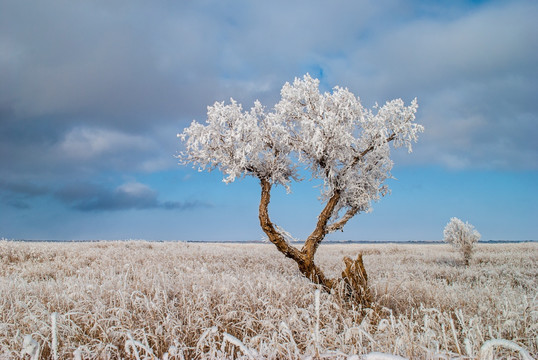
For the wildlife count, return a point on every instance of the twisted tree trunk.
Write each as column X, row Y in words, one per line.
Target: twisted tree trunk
column 354, row 276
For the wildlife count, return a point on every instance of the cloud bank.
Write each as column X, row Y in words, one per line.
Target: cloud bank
column 93, row 88
column 92, row 197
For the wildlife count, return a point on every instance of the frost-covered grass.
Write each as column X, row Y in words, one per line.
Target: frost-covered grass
column 178, row 300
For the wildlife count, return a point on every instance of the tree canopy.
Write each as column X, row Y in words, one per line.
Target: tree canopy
column 332, row 135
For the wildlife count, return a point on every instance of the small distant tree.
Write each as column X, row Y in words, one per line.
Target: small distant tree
column 331, row 135
column 462, row 236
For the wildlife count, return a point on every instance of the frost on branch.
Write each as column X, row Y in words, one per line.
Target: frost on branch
column 462, row 236
column 240, row 143
column 343, row 145
column 331, row 134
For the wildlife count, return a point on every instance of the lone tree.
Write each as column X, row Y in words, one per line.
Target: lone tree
column 329, row 134
column 462, row 236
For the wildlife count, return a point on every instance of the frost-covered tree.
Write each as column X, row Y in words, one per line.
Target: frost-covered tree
column 331, row 135
column 462, row 236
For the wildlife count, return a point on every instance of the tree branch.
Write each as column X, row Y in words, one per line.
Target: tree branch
column 364, row 153
column 370, row 148
column 338, row 225
column 306, row 265
column 312, row 242
column 267, row 226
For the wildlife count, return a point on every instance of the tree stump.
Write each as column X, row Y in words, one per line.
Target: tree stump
column 356, row 281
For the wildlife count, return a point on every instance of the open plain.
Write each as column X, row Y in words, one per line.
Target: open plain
column 174, row 300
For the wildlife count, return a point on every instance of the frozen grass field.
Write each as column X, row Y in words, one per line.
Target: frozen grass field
column 181, row 300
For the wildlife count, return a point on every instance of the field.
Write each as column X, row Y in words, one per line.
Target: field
column 136, row 299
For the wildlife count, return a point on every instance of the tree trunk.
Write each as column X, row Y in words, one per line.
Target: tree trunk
column 354, row 276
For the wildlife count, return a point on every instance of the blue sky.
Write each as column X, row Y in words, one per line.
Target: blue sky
column 92, row 95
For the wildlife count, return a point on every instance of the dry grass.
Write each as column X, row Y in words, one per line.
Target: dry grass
column 178, row 300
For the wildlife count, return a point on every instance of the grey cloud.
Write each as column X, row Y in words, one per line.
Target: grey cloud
column 475, row 77
column 105, row 86
column 61, row 152
column 91, row 197
column 85, row 196
column 187, row 205
column 23, row 188
column 75, row 75
column 104, row 62
column 109, row 63
column 16, row 203
column 475, row 126
column 98, row 198
column 19, row 194
column 481, row 45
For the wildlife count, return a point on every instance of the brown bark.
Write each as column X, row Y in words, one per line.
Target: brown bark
column 356, row 280
column 267, row 226
column 338, row 225
column 316, row 237
column 354, row 276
